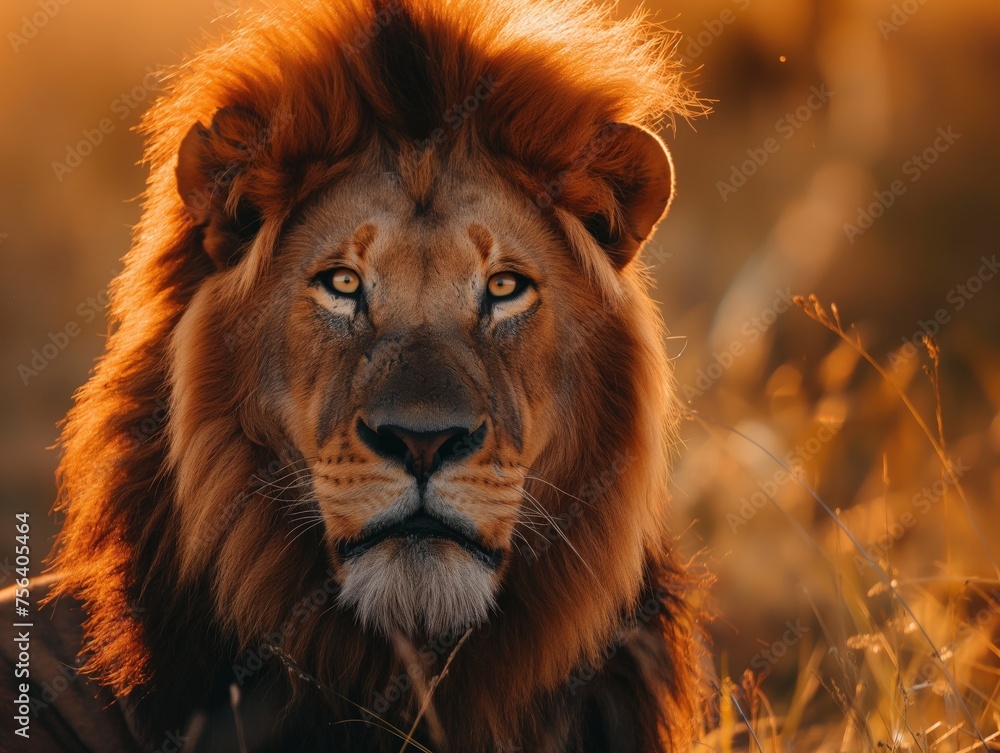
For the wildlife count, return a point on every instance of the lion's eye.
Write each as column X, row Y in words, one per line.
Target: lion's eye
column 505, row 285
column 342, row 281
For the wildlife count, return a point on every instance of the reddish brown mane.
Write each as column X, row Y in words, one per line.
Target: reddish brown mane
column 324, row 88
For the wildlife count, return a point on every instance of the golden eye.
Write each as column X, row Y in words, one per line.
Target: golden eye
column 345, row 281
column 504, row 284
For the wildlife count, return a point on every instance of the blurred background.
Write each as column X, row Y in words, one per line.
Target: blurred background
column 852, row 154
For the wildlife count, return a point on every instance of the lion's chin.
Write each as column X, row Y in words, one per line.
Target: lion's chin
column 424, row 586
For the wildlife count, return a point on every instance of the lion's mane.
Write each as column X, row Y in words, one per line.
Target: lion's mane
column 321, row 81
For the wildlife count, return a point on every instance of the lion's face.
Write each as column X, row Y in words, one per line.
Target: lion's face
column 432, row 356
column 417, row 386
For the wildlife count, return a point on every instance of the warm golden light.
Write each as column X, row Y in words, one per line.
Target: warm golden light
column 838, row 473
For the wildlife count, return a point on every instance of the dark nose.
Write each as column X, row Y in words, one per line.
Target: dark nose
column 421, row 452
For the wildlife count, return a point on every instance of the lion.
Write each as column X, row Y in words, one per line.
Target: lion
column 377, row 453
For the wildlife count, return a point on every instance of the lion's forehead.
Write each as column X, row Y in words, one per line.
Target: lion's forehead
column 419, row 253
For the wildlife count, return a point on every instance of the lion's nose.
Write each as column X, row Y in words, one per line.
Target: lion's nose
column 421, row 452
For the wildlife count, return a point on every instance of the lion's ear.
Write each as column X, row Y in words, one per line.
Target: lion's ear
column 635, row 167
column 211, row 165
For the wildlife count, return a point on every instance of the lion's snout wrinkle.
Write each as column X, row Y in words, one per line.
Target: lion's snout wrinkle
column 426, row 383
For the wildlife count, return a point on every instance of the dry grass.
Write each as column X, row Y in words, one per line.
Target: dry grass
column 868, row 581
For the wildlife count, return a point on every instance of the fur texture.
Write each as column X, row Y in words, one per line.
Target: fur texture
column 214, row 466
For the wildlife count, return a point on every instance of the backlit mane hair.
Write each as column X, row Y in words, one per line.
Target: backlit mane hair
column 323, row 87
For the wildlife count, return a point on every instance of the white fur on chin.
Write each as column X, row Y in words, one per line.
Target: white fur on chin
column 430, row 585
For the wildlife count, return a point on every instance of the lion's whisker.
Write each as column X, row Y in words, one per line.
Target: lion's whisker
column 296, row 474
column 298, row 532
column 300, row 507
column 306, row 522
column 531, row 549
column 535, row 526
column 563, row 536
column 549, row 483
column 298, row 466
column 306, row 517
